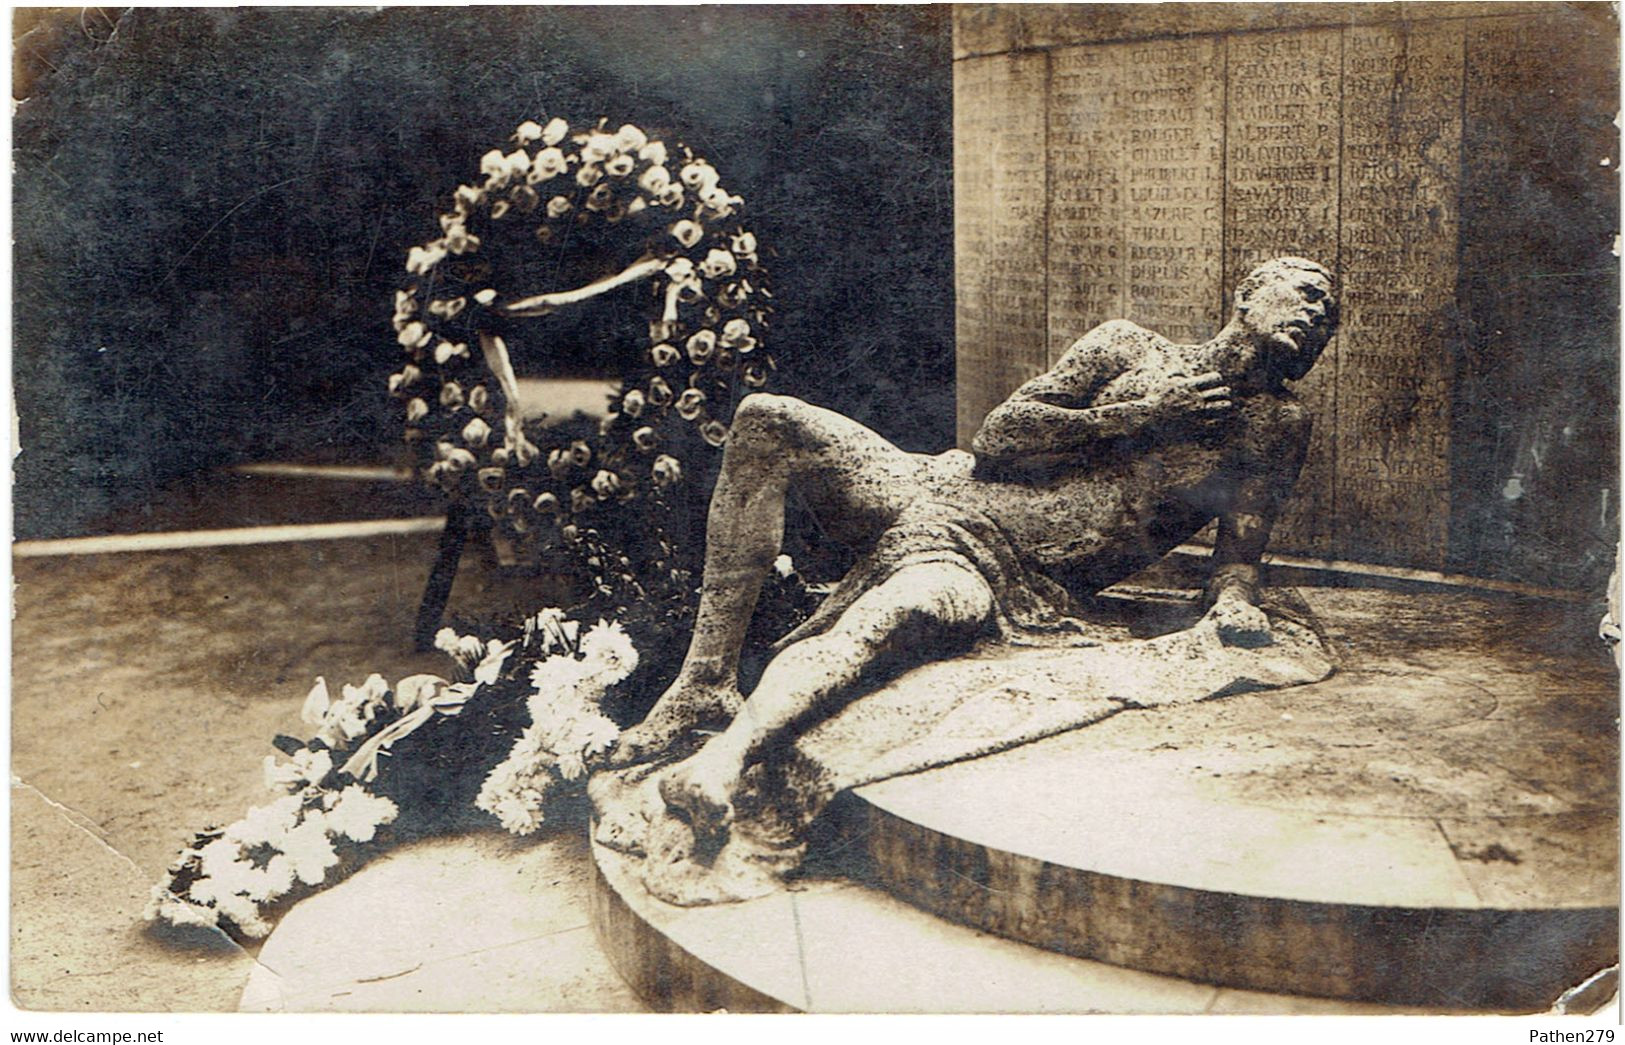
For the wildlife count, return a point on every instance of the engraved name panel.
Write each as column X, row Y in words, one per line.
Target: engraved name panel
column 999, row 189
column 1135, row 153
column 1401, row 173
column 1283, row 126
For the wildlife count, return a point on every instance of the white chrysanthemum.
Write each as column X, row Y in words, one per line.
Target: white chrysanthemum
column 165, row 906
column 271, row 882
column 266, row 824
column 219, row 856
column 245, row 913
column 609, row 652
column 557, row 674
column 309, row 849
column 357, row 814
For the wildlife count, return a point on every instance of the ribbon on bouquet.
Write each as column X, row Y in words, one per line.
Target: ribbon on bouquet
column 447, row 699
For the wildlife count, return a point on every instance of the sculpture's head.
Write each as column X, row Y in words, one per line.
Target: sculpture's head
column 1288, row 308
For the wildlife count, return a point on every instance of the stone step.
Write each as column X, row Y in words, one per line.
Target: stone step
column 835, row 946
column 1428, row 827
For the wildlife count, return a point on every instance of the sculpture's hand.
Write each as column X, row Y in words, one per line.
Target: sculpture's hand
column 1240, row 623
column 1201, row 400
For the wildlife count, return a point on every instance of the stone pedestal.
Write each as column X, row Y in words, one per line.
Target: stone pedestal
column 1435, row 827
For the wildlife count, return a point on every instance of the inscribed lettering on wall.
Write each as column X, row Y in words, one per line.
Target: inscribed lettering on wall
column 1401, row 175
column 1283, row 125
column 1135, row 154
column 999, row 201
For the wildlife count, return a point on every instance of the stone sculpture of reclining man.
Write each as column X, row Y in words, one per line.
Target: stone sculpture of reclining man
column 1085, row 475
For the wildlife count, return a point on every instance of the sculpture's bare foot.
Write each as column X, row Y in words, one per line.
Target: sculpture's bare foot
column 679, row 711
column 701, row 793
column 1241, row 623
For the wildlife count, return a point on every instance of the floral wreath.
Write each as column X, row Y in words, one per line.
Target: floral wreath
column 560, row 192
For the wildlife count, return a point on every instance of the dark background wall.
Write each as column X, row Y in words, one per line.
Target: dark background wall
column 212, row 209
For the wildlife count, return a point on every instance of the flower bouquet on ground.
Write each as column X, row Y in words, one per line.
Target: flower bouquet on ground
column 509, row 738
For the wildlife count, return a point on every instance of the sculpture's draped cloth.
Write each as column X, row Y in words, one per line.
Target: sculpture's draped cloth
column 1045, row 672
column 1029, row 608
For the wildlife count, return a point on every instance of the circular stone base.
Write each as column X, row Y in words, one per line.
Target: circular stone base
column 1437, row 824
column 832, row 945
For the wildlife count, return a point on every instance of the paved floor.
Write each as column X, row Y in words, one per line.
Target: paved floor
column 146, row 689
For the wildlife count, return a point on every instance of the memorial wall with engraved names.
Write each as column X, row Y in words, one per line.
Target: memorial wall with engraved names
column 1455, row 170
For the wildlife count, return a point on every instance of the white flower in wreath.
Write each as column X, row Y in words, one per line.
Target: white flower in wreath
column 699, row 175
column 719, row 202
column 655, row 180
column 467, row 197
column 447, row 309
column 415, row 690
column 700, row 345
column 419, row 260
column 445, row 352
column 606, row 484
column 717, row 263
column 664, row 355
column 659, row 391
column 414, row 335
column 666, row 471
column 555, row 131
column 714, row 432
column 671, row 196
column 461, row 241
column 644, row 438
column 597, row 146
column 687, row 232
column 588, row 175
column 405, row 307
column 494, row 165
column 409, row 376
column 580, row 500
column 654, row 152
column 466, row 650
column 743, row 244
column 549, row 163
column 476, row 433
column 558, row 207
column 736, row 335
column 620, row 166
column 630, row 139
column 528, row 132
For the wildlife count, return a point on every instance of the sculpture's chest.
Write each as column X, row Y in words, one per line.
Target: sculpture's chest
column 1147, row 368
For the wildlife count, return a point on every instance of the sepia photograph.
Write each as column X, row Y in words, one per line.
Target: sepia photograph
column 935, row 509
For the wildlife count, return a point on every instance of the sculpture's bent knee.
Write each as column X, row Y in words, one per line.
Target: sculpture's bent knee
column 766, row 413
